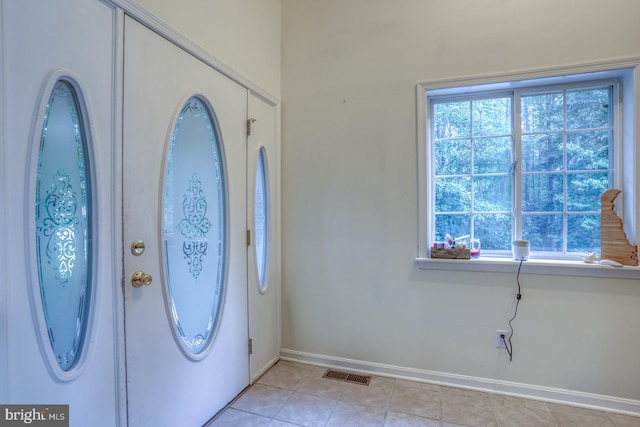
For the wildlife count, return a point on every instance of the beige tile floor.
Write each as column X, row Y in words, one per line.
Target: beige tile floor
column 293, row 394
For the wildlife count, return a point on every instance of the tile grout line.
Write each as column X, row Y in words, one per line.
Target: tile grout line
column 288, row 398
column 546, row 407
column 494, row 410
column 335, row 401
column 441, row 405
column 386, row 410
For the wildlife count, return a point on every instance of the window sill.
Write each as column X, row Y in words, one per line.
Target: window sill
column 532, row 266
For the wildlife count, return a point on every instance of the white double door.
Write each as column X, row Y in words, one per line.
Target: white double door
column 44, row 43
column 133, row 369
column 170, row 383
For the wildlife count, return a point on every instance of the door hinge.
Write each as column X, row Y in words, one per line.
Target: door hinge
column 249, row 121
column 248, row 237
column 250, row 346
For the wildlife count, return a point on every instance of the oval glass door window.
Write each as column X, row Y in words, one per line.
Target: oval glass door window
column 63, row 225
column 195, row 227
column 261, row 218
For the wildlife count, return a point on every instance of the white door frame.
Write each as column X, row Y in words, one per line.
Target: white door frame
column 4, row 279
column 118, row 244
column 264, row 304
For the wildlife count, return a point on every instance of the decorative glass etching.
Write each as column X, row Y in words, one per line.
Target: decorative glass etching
column 195, row 226
column 59, row 226
column 261, row 218
column 63, row 225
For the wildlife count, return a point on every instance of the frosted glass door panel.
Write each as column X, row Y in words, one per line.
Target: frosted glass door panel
column 195, row 227
column 63, row 226
column 261, row 217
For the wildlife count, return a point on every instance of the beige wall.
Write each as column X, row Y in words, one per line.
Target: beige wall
column 243, row 34
column 350, row 286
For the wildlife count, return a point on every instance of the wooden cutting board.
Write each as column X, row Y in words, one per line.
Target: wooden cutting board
column 613, row 240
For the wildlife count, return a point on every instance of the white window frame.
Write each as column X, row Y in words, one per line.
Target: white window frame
column 627, row 71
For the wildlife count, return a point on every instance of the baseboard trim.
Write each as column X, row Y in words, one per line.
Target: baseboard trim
column 546, row 394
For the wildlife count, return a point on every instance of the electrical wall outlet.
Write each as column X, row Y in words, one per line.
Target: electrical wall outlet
column 499, row 340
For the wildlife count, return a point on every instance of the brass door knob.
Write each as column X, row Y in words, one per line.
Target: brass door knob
column 140, row 278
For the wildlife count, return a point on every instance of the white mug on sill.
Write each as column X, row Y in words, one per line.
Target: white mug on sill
column 520, row 250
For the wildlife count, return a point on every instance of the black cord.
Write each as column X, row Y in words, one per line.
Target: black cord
column 509, row 346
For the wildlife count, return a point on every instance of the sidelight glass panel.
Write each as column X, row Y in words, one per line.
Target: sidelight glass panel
column 195, row 226
column 63, row 225
column 261, row 217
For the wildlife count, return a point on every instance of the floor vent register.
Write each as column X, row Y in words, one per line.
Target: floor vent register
column 348, row 377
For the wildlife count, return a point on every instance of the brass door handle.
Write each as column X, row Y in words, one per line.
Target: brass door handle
column 137, row 247
column 140, row 278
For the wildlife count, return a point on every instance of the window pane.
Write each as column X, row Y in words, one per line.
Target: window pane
column 588, row 109
column 542, row 193
column 588, row 150
column 493, row 230
column 455, row 225
column 453, row 194
column 565, row 148
column 542, row 152
column 453, row 157
column 492, row 155
column 584, row 191
column 542, row 113
column 492, row 117
column 544, row 232
column 492, row 193
column 583, row 233
column 452, row 120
